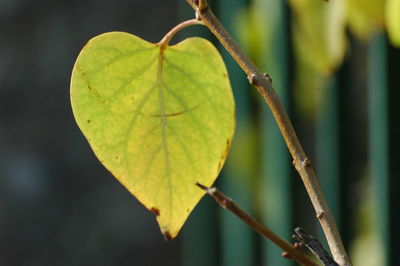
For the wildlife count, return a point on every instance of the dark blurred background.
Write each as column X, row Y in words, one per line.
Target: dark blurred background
column 336, row 73
column 58, row 205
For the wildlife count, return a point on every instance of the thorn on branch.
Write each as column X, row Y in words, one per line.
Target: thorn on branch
column 314, row 246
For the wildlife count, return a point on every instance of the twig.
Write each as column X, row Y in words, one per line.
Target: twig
column 302, row 164
column 314, row 246
column 227, row 203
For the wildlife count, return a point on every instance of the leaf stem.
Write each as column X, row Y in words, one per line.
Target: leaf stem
column 166, row 39
column 263, row 230
column 263, row 84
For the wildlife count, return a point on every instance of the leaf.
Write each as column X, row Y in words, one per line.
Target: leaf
column 365, row 18
column 255, row 41
column 392, row 16
column 159, row 120
column 319, row 35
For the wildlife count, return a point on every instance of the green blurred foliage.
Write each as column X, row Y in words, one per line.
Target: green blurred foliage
column 319, row 34
column 319, row 47
column 367, row 241
column 365, row 19
column 319, row 37
column 393, row 21
column 257, row 40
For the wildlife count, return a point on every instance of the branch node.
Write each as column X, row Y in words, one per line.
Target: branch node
column 320, row 214
column 268, row 77
column 306, row 162
column 252, row 79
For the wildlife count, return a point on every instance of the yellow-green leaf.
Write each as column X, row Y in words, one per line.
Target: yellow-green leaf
column 319, row 33
column 392, row 16
column 319, row 36
column 158, row 119
column 365, row 17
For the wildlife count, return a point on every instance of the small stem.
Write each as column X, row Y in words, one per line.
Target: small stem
column 165, row 40
column 263, row 230
column 300, row 161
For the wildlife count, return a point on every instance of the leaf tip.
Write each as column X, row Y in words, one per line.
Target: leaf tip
column 167, row 235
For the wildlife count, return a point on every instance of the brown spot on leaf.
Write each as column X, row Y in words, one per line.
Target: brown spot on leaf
column 155, row 211
column 224, row 154
column 88, row 121
column 167, row 235
column 116, row 157
column 224, row 75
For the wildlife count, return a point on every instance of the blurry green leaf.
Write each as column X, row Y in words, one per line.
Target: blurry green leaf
column 367, row 248
column 252, row 32
column 319, row 44
column 365, row 18
column 243, row 158
column 393, row 21
column 319, row 33
column 159, row 120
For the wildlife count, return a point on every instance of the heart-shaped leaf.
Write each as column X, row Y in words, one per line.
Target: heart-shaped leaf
column 158, row 118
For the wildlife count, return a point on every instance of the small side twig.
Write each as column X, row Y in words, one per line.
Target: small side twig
column 291, row 252
column 314, row 246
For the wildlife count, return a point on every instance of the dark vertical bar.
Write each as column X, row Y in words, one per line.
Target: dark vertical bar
column 275, row 168
column 200, row 233
column 378, row 141
column 394, row 144
column 236, row 238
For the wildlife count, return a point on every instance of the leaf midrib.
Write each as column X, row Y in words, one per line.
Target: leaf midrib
column 164, row 142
